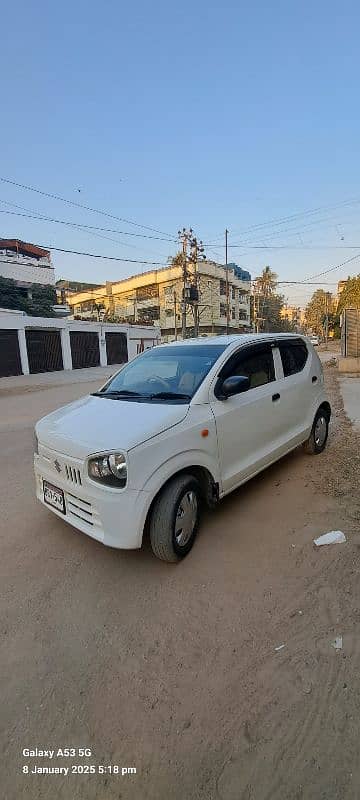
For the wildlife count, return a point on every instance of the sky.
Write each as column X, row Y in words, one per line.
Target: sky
column 235, row 115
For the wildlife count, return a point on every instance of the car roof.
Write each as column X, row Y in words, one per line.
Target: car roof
column 234, row 338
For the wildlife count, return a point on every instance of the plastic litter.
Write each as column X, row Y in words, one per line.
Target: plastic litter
column 333, row 537
column 280, row 647
column 337, row 643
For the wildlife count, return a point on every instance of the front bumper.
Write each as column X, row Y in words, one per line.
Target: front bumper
column 115, row 518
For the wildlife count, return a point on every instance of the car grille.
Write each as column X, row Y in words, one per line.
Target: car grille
column 73, row 474
column 81, row 509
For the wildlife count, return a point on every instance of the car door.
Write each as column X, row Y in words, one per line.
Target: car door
column 249, row 423
column 297, row 387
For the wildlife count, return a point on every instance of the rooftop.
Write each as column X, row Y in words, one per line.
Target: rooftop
column 25, row 248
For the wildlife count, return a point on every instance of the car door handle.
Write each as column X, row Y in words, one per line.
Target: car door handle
column 314, row 379
column 275, row 397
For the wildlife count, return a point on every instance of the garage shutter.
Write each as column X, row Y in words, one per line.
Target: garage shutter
column 44, row 350
column 10, row 363
column 116, row 348
column 84, row 349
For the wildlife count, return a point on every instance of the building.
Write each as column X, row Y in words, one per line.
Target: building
column 64, row 288
column 294, row 315
column 25, row 263
column 340, row 287
column 156, row 298
column 42, row 344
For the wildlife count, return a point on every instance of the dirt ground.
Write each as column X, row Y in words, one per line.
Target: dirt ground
column 174, row 669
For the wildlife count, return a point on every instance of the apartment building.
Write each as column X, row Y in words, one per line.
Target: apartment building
column 294, row 315
column 155, row 298
column 25, row 263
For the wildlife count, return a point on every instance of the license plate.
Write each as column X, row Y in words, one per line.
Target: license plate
column 54, row 497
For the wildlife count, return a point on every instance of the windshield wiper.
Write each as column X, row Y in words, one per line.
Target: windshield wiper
column 169, row 396
column 119, row 393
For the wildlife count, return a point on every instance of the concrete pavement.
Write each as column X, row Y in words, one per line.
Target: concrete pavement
column 46, row 380
column 350, row 391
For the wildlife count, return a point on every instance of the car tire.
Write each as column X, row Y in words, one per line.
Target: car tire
column 316, row 442
column 180, row 499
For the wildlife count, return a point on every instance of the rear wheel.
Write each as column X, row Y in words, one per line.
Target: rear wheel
column 175, row 518
column 319, row 433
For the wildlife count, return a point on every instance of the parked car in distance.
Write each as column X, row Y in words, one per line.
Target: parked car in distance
column 180, row 426
column 314, row 340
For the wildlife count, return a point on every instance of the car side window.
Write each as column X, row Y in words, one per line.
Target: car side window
column 257, row 365
column 293, row 356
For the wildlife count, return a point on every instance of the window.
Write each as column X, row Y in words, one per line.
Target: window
column 180, row 369
column 222, row 287
column 222, row 310
column 258, row 365
column 145, row 292
column 293, row 356
column 233, row 292
column 233, row 313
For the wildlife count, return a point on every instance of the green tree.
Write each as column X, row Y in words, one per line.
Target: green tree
column 177, row 260
column 350, row 295
column 41, row 301
column 266, row 282
column 267, row 304
column 37, row 300
column 320, row 308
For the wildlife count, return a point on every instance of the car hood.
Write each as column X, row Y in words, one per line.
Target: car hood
column 95, row 424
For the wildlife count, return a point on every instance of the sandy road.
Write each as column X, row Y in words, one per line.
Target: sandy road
column 173, row 670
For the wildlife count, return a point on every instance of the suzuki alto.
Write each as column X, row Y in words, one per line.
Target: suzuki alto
column 179, row 427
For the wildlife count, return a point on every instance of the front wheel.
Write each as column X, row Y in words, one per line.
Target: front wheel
column 175, row 518
column 316, row 442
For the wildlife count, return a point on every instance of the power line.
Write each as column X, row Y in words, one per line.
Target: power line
column 331, row 269
column 279, row 220
column 296, row 247
column 79, row 205
column 89, row 255
column 43, row 218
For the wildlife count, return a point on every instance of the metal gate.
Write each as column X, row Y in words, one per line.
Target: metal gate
column 84, row 349
column 10, row 362
column 116, row 348
column 350, row 333
column 44, row 350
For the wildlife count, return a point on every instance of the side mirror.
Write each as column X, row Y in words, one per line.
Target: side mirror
column 234, row 385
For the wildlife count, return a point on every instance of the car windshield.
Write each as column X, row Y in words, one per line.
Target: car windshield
column 164, row 373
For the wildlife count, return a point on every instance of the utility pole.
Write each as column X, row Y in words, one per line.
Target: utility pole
column 227, row 282
column 175, row 316
column 184, row 237
column 190, row 279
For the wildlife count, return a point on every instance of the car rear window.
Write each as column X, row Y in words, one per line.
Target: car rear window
column 293, row 356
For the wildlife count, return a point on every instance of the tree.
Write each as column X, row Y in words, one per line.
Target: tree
column 268, row 304
column 41, row 301
column 266, row 283
column 37, row 300
column 320, row 311
column 176, row 260
column 11, row 296
column 350, row 295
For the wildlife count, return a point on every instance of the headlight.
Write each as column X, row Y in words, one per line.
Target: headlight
column 109, row 469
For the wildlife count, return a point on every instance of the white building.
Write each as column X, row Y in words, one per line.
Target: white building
column 156, row 297
column 25, row 263
column 41, row 344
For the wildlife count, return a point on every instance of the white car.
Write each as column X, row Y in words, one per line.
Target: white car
column 314, row 340
column 181, row 425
